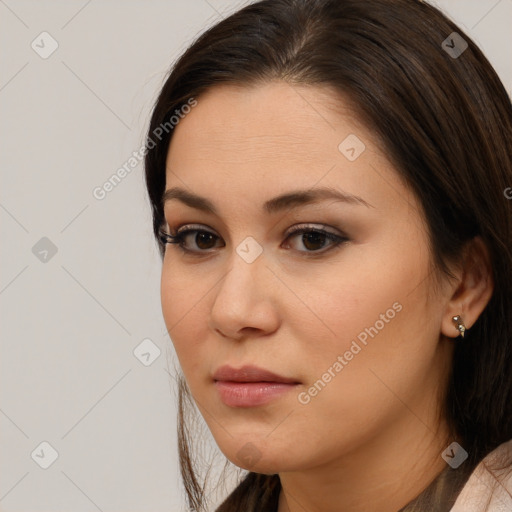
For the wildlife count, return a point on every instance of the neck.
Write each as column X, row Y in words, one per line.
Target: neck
column 372, row 476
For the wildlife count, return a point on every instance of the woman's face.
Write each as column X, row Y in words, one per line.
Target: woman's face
column 348, row 323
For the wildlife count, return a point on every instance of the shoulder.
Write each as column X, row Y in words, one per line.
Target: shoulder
column 489, row 490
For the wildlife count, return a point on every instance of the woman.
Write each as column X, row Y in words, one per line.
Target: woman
column 330, row 188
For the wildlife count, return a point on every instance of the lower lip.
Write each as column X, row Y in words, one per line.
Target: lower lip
column 250, row 394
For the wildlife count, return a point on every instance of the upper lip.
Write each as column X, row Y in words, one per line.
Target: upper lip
column 249, row 373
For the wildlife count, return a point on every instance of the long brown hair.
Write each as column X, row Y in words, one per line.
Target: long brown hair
column 445, row 121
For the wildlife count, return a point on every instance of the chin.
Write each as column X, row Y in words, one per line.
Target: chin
column 252, row 456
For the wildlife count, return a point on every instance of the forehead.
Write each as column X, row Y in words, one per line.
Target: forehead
column 260, row 140
column 266, row 121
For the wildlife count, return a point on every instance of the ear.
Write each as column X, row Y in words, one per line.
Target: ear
column 472, row 290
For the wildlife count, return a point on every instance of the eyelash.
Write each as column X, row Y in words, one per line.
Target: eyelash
column 179, row 239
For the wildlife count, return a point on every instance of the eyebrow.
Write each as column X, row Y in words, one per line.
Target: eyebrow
column 285, row 201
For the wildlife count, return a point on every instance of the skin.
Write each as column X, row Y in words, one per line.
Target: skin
column 372, row 437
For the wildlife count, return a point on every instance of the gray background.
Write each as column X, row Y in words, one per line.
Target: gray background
column 72, row 320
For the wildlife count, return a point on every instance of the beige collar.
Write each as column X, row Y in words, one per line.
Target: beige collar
column 487, row 491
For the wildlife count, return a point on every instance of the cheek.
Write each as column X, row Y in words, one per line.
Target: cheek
column 184, row 310
column 374, row 315
column 357, row 297
column 380, row 336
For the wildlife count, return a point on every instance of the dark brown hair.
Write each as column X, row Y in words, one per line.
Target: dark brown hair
column 445, row 122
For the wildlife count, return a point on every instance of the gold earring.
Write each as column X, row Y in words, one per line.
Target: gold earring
column 459, row 324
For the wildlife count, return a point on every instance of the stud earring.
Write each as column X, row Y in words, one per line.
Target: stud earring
column 459, row 325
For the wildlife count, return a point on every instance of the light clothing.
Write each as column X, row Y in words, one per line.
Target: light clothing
column 484, row 492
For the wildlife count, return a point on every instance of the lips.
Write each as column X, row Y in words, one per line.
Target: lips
column 250, row 386
column 249, row 373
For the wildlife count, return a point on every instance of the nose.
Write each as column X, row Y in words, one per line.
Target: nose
column 245, row 303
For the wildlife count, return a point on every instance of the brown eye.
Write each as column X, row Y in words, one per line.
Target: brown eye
column 204, row 239
column 314, row 240
column 199, row 242
column 196, row 240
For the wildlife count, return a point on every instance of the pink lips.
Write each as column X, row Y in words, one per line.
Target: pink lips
column 250, row 386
